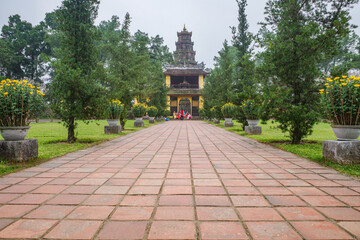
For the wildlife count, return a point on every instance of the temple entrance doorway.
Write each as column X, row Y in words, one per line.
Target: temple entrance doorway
column 185, row 105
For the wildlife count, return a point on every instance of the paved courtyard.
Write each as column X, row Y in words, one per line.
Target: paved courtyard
column 179, row 180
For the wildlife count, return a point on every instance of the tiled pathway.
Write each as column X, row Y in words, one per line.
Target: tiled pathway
column 179, row 180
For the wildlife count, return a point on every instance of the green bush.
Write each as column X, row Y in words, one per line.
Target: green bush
column 115, row 109
column 216, row 112
column 152, row 111
column 228, row 110
column 138, row 110
column 166, row 113
column 20, row 101
column 251, row 109
column 341, row 98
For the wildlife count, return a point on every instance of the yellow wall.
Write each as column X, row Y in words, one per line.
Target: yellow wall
column 201, row 102
column 168, row 103
column 201, row 81
column 168, row 81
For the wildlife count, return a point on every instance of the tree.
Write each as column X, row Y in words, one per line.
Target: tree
column 244, row 69
column 77, row 92
column 218, row 89
column 22, row 47
column 305, row 33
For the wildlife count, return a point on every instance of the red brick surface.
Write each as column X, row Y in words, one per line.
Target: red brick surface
column 179, row 180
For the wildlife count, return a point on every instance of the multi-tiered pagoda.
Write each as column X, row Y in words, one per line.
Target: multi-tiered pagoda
column 185, row 78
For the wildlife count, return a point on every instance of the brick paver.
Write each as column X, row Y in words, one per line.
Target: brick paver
column 179, row 180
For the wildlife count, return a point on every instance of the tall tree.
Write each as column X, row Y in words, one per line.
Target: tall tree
column 218, row 89
column 77, row 91
column 22, row 47
column 244, row 69
column 305, row 34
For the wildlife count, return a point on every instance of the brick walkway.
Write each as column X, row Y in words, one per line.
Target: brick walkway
column 179, row 180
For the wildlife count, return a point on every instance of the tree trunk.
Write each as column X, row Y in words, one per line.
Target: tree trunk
column 297, row 136
column 71, row 131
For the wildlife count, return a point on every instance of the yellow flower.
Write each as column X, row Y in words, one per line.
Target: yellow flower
column 6, row 93
column 344, row 76
column 344, row 84
column 357, row 85
column 326, row 84
column 336, row 78
column 38, row 87
column 31, row 93
column 321, row 90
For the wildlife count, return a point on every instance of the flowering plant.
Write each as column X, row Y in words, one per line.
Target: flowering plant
column 20, row 101
column 138, row 110
column 152, row 111
column 251, row 109
column 228, row 110
column 341, row 97
column 115, row 109
column 216, row 112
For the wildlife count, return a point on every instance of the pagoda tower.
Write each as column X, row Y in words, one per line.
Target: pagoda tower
column 185, row 78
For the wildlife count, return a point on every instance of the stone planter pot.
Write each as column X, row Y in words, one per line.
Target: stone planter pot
column 216, row 121
column 346, row 132
column 112, row 122
column 139, row 122
column 14, row 133
column 228, row 120
column 252, row 122
column 151, row 119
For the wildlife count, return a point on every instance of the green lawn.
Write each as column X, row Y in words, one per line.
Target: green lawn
column 52, row 138
column 311, row 147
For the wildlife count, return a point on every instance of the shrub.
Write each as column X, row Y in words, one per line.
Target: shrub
column 152, row 111
column 138, row 110
column 20, row 101
column 115, row 109
column 166, row 113
column 216, row 112
column 341, row 97
column 228, row 110
column 251, row 109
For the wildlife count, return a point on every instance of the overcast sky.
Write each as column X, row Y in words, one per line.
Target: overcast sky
column 209, row 20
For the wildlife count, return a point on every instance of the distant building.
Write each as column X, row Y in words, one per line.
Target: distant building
column 185, row 78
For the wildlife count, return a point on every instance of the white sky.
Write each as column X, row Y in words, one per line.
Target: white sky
column 209, row 20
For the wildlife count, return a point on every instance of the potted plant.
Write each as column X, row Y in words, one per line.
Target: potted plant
column 20, row 101
column 341, row 98
column 152, row 112
column 228, row 111
column 216, row 114
column 251, row 110
column 166, row 113
column 114, row 111
column 138, row 110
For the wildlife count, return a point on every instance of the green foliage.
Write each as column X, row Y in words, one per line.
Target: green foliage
column 152, row 111
column 166, row 113
column 216, row 112
column 78, row 94
column 341, row 98
column 115, row 109
column 251, row 109
column 20, row 102
column 138, row 110
column 21, row 50
column 305, row 34
column 228, row 110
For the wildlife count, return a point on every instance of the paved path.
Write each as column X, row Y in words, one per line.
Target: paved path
column 179, row 180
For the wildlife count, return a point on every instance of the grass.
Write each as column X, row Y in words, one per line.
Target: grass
column 310, row 148
column 52, row 138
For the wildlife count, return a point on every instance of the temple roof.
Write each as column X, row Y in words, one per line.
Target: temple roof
column 185, row 70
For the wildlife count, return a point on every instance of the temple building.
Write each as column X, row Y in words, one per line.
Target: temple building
column 185, row 78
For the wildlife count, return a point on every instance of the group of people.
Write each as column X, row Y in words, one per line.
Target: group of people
column 182, row 115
